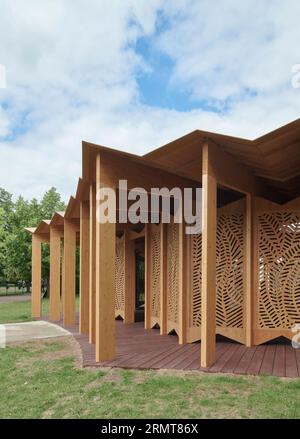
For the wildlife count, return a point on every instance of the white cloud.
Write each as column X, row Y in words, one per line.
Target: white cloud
column 72, row 69
column 221, row 51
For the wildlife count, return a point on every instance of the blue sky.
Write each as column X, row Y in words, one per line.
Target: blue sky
column 155, row 87
column 153, row 71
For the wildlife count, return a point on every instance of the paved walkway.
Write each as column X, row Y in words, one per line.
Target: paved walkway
column 19, row 332
column 17, row 298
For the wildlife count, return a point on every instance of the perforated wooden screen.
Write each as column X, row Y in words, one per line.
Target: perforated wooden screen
column 155, row 274
column 173, row 276
column 194, row 290
column 230, row 261
column 230, row 270
column 196, row 250
column 120, row 276
column 278, row 228
column 276, row 293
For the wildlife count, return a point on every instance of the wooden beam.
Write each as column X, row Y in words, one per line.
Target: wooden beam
column 163, row 279
column 36, row 301
column 69, row 272
column 209, row 220
column 148, row 261
column 55, row 236
column 116, row 167
column 105, row 282
column 84, row 266
column 129, row 279
column 182, row 268
column 92, row 266
column 228, row 171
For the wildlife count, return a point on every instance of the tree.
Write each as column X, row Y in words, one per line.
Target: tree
column 15, row 241
column 6, row 208
column 18, row 241
column 50, row 203
column 6, row 202
column 3, row 233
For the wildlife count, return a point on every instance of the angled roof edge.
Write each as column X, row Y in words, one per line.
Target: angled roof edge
column 57, row 218
column 72, row 210
column 43, row 227
column 82, row 191
column 30, row 229
column 219, row 137
column 152, row 158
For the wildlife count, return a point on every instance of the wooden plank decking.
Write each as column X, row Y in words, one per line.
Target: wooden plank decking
column 138, row 348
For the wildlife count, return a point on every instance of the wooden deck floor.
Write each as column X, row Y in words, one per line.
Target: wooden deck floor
column 141, row 349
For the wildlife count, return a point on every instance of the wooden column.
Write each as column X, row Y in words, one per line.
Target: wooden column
column 163, row 279
column 84, row 266
column 209, row 220
column 105, row 283
column 69, row 272
column 54, row 273
column 62, row 277
column 148, row 261
column 129, row 279
column 92, row 266
column 36, row 301
column 182, row 284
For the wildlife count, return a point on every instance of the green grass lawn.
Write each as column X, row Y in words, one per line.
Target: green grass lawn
column 21, row 311
column 12, row 291
column 43, row 379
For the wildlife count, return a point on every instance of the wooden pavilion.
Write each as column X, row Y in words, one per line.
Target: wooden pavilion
column 239, row 278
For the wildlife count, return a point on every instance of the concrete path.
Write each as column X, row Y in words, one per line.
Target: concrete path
column 17, row 332
column 20, row 298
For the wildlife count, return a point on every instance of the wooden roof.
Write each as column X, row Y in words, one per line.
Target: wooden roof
column 73, row 209
column 57, row 219
column 274, row 158
column 42, row 230
column 83, row 190
column 43, row 227
column 30, row 229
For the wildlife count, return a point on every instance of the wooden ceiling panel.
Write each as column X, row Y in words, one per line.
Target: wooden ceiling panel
column 276, row 140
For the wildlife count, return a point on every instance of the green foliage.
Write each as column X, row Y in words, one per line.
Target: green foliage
column 15, row 241
column 2, row 242
column 50, row 203
column 6, row 207
column 6, row 202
